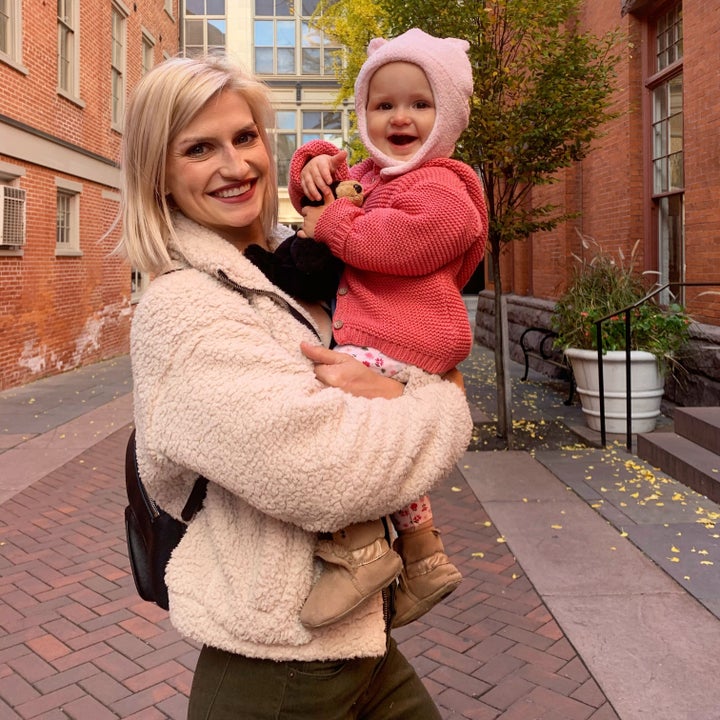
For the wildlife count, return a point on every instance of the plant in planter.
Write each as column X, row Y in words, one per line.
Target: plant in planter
column 601, row 286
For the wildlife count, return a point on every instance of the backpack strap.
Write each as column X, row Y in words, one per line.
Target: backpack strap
column 138, row 495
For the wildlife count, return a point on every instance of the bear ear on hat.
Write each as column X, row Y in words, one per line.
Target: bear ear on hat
column 463, row 45
column 375, row 44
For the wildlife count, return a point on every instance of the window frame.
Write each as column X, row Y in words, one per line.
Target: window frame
column 206, row 21
column 296, row 46
column 118, row 63
column 11, row 174
column 147, row 58
column 69, row 40
column 665, row 245
column 69, row 191
column 295, row 128
column 11, row 37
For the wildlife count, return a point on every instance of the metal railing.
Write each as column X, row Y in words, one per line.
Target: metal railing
column 628, row 377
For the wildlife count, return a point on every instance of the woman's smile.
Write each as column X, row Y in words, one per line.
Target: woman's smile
column 217, row 169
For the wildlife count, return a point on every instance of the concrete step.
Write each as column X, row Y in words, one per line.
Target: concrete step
column 686, row 461
column 701, row 425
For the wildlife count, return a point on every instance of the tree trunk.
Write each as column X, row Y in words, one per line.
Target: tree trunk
column 502, row 356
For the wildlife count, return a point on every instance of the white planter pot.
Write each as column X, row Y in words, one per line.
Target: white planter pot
column 647, row 388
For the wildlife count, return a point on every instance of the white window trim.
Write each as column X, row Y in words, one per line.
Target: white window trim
column 123, row 10
column 14, row 57
column 73, row 189
column 148, row 41
column 73, row 93
column 10, row 175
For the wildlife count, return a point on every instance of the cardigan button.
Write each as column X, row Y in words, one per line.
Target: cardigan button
column 338, row 324
column 342, row 290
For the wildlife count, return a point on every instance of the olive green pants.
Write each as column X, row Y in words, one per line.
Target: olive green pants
column 233, row 686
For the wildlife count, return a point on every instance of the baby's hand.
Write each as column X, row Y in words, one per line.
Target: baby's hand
column 311, row 215
column 319, row 173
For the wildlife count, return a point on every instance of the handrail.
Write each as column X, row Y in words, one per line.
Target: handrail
column 628, row 377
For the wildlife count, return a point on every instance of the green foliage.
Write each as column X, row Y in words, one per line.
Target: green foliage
column 602, row 286
column 352, row 25
column 542, row 89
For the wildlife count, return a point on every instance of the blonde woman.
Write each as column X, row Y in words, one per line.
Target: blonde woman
column 233, row 380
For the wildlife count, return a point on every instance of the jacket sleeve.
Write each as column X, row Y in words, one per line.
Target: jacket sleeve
column 429, row 220
column 300, row 159
column 222, row 390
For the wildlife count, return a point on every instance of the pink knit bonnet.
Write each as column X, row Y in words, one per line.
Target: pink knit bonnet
column 447, row 68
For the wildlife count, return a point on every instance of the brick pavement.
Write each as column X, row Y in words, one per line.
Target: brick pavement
column 76, row 641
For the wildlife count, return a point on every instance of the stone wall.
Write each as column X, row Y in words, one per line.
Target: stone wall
column 695, row 383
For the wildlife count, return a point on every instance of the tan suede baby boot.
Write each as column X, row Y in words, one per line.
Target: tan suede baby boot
column 427, row 577
column 358, row 563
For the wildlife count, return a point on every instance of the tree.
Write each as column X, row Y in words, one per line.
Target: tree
column 542, row 89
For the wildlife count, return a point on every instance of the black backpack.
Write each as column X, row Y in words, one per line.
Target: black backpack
column 152, row 534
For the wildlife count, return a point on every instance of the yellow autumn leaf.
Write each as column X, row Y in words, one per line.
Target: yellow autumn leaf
column 478, row 554
column 556, row 527
column 674, row 549
column 674, row 559
column 456, row 489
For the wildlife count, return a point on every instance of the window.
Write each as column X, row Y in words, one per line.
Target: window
column 67, row 22
column 285, row 44
column 668, row 173
column 205, row 27
column 138, row 283
column 12, row 217
column 118, row 66
column 67, row 230
column 10, row 31
column 6, row 22
column 313, row 125
column 148, row 52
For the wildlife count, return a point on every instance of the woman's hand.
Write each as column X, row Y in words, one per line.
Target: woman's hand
column 345, row 372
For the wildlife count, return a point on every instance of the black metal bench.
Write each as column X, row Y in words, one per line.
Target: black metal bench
column 537, row 342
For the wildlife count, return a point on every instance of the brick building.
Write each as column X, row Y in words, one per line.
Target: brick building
column 65, row 72
column 66, row 301
column 654, row 177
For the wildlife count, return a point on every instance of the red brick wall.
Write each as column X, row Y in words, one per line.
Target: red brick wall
column 607, row 188
column 58, row 312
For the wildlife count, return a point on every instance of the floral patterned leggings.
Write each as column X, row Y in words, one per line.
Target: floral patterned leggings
column 418, row 512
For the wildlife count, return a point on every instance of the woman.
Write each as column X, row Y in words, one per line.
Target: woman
column 231, row 382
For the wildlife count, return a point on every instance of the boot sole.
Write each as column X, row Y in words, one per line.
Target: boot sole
column 425, row 604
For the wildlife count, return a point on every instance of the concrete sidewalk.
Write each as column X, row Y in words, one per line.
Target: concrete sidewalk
column 589, row 586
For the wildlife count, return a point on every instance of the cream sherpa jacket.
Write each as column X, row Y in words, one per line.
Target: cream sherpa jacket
column 221, row 389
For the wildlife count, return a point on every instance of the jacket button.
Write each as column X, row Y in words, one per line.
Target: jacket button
column 342, row 291
column 338, row 324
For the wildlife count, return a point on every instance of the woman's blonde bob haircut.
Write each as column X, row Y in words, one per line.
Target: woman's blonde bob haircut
column 164, row 102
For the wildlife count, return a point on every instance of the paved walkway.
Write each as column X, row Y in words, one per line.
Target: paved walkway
column 590, row 591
